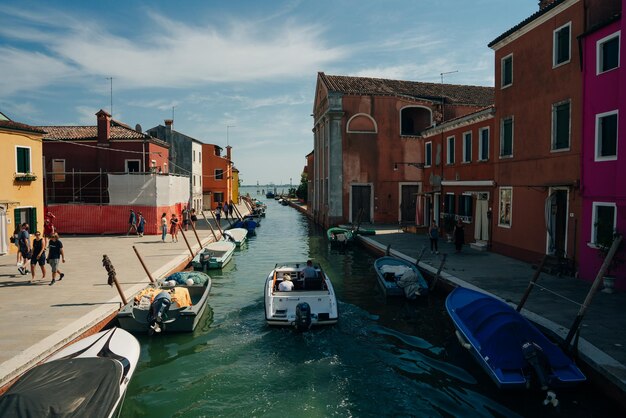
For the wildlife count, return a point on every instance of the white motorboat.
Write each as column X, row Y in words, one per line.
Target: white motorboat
column 236, row 235
column 311, row 302
column 86, row 379
column 214, row 256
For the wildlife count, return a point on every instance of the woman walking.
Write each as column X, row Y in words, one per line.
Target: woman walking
column 163, row 226
column 459, row 235
column 141, row 223
column 433, row 234
column 39, row 256
column 174, row 228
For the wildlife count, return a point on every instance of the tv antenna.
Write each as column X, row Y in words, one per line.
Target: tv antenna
column 111, row 80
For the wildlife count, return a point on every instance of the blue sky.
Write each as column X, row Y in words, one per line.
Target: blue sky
column 248, row 64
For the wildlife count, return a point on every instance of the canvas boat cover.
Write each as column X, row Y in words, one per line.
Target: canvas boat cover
column 79, row 387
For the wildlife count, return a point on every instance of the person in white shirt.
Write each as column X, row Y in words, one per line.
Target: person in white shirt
column 286, row 285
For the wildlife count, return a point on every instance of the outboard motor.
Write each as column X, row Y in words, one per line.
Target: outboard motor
column 537, row 359
column 158, row 312
column 303, row 316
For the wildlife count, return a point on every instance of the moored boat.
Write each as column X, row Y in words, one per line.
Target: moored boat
column 338, row 235
column 248, row 224
column 513, row 352
column 398, row 277
column 359, row 230
column 311, row 301
column 87, row 378
column 236, row 235
column 214, row 255
column 175, row 305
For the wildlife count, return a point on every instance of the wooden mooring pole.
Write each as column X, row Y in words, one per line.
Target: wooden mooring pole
column 187, row 242
column 210, row 226
column 196, row 234
column 217, row 223
column 106, row 262
column 443, row 261
column 143, row 265
column 534, row 279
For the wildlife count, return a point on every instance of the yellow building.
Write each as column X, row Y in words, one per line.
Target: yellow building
column 21, row 179
column 235, row 186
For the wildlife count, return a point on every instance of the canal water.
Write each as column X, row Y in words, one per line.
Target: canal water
column 384, row 358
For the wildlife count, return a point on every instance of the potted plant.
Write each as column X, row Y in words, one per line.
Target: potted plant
column 25, row 177
column 604, row 244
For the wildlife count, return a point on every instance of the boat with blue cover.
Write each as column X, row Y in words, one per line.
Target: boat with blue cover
column 513, row 352
column 398, row 277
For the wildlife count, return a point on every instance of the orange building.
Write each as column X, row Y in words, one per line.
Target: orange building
column 217, row 172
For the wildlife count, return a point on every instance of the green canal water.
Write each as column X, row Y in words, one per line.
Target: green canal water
column 383, row 359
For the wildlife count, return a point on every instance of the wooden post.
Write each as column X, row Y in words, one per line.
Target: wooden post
column 143, row 265
column 210, row 226
column 196, row 234
column 534, row 279
column 219, row 227
column 187, row 242
column 112, row 277
column 443, row 261
column 594, row 287
column 419, row 257
column 388, row 250
column 239, row 215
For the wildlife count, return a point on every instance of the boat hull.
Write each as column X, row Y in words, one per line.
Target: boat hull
column 387, row 269
column 495, row 333
column 214, row 256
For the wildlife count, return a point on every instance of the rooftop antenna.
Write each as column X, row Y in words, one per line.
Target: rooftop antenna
column 111, row 80
column 443, row 113
column 227, row 128
column 173, row 107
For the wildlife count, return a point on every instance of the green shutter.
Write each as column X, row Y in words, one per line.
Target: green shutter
column 17, row 217
column 33, row 220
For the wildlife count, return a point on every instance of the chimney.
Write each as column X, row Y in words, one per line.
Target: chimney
column 545, row 3
column 228, row 148
column 104, row 127
column 169, row 123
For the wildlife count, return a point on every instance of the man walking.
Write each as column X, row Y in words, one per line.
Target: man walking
column 54, row 255
column 132, row 222
column 24, row 247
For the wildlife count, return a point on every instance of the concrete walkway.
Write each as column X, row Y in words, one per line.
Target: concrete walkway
column 603, row 334
column 38, row 319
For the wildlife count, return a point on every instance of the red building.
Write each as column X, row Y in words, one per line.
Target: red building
column 368, row 144
column 217, row 185
column 460, row 179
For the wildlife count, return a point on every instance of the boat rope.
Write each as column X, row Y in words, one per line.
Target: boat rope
column 556, row 294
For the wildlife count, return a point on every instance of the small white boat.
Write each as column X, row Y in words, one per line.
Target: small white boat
column 236, row 235
column 87, row 379
column 214, row 256
column 311, row 302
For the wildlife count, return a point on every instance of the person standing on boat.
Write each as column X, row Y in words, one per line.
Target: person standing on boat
column 174, row 228
column 286, row 285
column 163, row 226
column 141, row 223
column 54, row 255
column 309, row 271
column 433, row 234
column 39, row 256
column 459, row 235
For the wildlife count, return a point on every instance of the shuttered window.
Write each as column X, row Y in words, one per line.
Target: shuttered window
column 22, row 158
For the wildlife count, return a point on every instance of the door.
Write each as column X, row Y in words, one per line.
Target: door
column 26, row 215
column 428, row 207
column 556, row 222
column 361, row 202
column 4, row 231
column 408, row 203
column 481, row 220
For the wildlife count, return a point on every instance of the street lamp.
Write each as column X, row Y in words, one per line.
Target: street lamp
column 416, row 165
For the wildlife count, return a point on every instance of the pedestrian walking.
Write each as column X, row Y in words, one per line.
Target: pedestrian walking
column 231, row 208
column 433, row 234
column 55, row 254
column 39, row 256
column 132, row 222
column 163, row 226
column 141, row 224
column 194, row 218
column 186, row 220
column 459, row 235
column 15, row 239
column 25, row 248
column 48, row 226
column 174, row 228
column 218, row 212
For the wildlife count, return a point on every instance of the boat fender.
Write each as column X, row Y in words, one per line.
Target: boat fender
column 534, row 355
column 303, row 316
column 464, row 343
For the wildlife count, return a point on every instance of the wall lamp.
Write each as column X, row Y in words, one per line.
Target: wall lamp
column 416, row 165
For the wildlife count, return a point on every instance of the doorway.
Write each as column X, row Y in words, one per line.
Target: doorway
column 361, row 201
column 408, row 203
column 4, row 231
column 556, row 222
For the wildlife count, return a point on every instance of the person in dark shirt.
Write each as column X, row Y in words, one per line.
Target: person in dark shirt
column 39, row 256
column 54, row 255
column 24, row 247
column 132, row 222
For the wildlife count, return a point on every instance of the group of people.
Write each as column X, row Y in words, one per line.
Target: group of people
column 34, row 252
column 458, row 234
column 136, row 222
column 227, row 209
column 189, row 217
column 309, row 272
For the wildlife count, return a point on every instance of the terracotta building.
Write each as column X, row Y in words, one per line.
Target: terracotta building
column 368, row 145
column 217, row 172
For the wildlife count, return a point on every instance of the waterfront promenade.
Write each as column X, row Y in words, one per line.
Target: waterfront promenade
column 38, row 319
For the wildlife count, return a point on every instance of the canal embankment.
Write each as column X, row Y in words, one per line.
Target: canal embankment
column 38, row 319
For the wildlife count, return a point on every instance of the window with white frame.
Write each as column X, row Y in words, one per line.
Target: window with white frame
column 606, row 136
column 132, row 166
column 58, row 170
column 219, row 174
column 22, row 160
column 450, row 150
column 506, row 70
column 505, row 207
column 450, row 207
column 506, row 137
column 607, row 52
column 467, row 147
column 428, row 154
column 604, row 223
column 483, row 144
column 562, row 41
column 561, row 125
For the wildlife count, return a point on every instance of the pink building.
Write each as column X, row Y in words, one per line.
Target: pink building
column 603, row 171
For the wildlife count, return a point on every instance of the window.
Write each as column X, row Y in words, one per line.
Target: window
column 428, row 153
column 194, row 156
column 22, row 160
column 506, row 137
column 607, row 51
column 604, row 218
column 467, row 147
column 450, row 207
column 132, row 166
column 561, row 45
column 483, row 145
column 450, row 153
column 199, row 157
column 219, row 174
column 465, row 207
column 606, row 136
column 506, row 206
column 58, row 170
column 506, row 68
column 560, row 125
column 194, row 180
column 218, row 197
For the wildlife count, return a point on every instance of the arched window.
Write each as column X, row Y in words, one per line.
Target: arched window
column 362, row 123
column 414, row 119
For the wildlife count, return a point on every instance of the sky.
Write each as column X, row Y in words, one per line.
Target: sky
column 238, row 73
